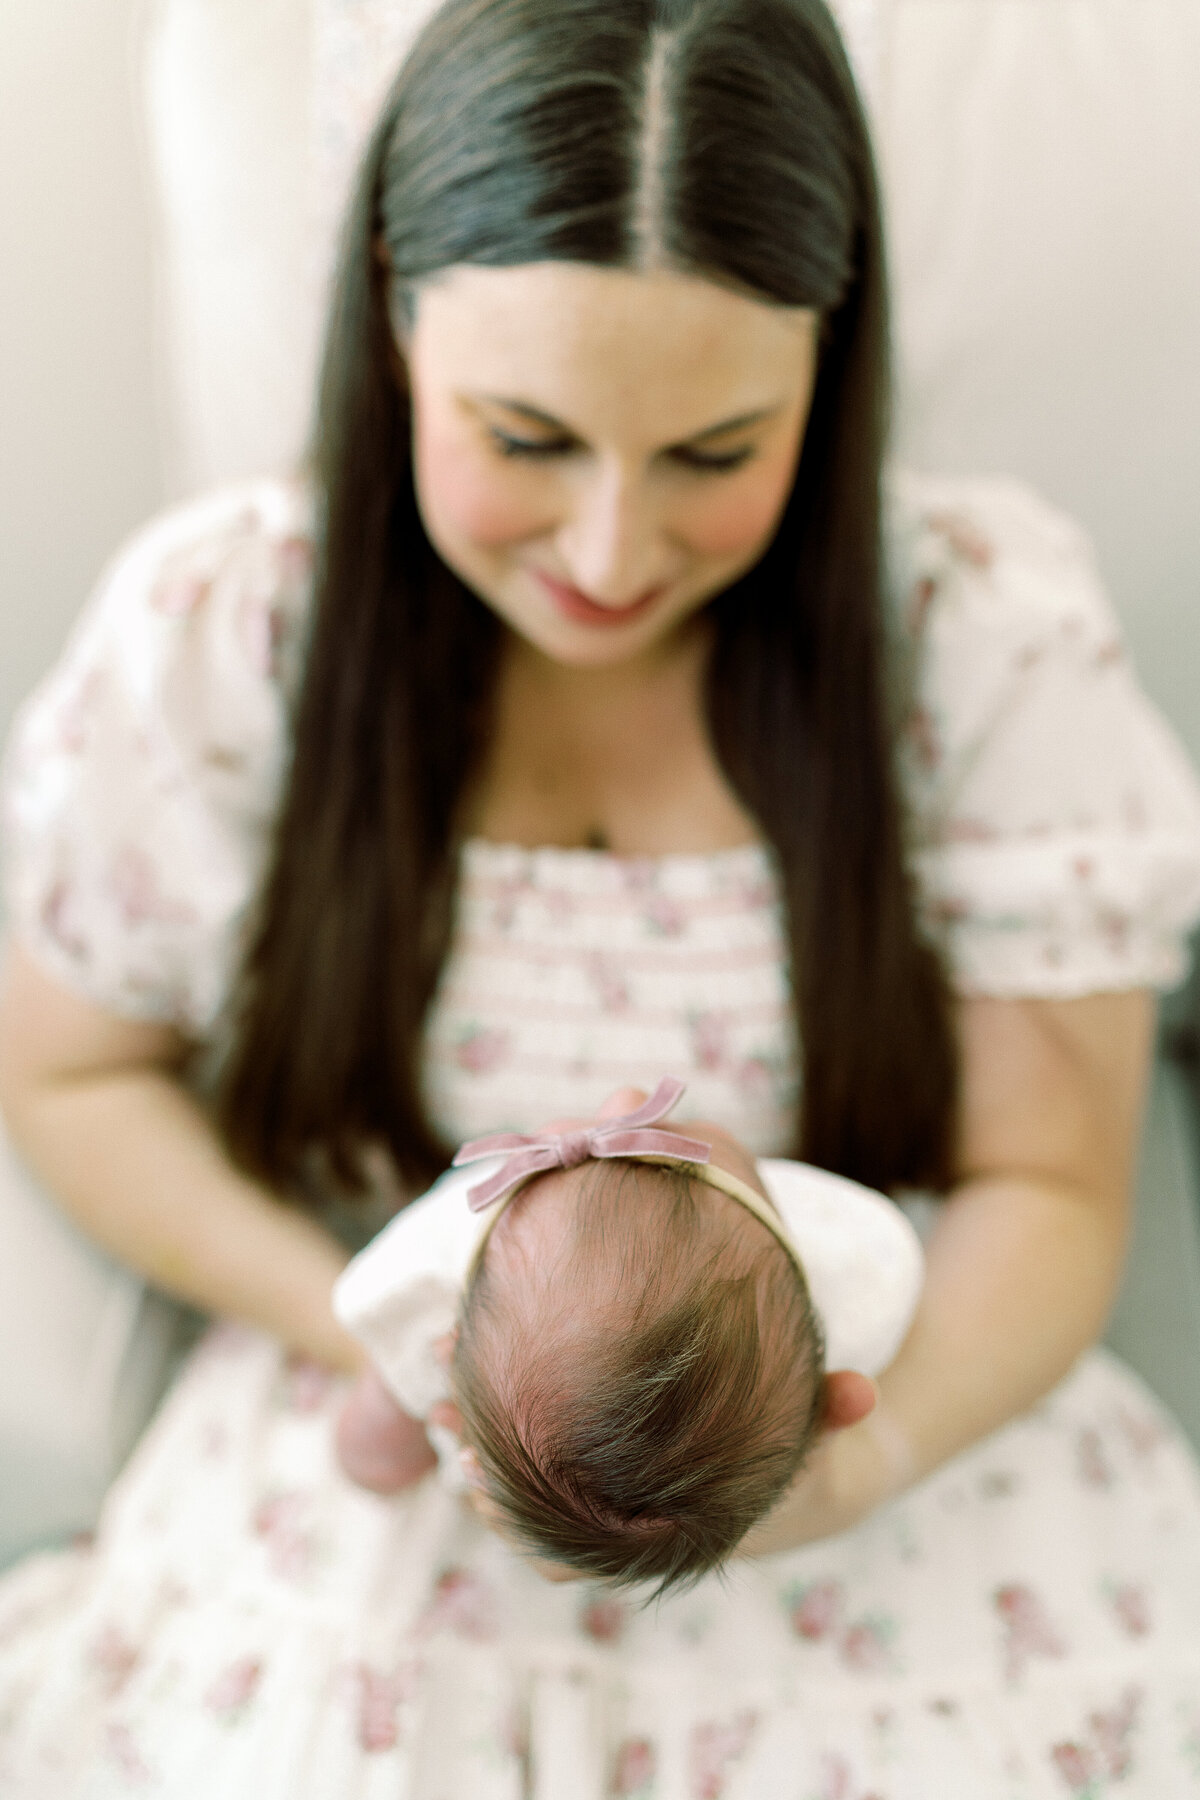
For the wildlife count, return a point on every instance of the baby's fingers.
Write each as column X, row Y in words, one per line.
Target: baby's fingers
column 447, row 1415
column 379, row 1445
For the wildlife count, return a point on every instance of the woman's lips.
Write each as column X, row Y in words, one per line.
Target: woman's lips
column 577, row 607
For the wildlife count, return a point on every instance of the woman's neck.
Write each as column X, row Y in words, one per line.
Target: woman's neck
column 614, row 759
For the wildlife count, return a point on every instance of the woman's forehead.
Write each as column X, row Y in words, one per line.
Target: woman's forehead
column 598, row 346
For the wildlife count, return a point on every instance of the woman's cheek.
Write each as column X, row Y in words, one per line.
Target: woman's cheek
column 465, row 496
column 736, row 515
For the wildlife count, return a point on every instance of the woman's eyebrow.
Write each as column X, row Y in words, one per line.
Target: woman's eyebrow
column 741, row 423
column 535, row 415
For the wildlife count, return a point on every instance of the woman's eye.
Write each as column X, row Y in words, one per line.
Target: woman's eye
column 710, row 462
column 508, row 445
column 714, row 462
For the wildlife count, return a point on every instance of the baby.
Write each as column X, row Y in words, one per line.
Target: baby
column 641, row 1322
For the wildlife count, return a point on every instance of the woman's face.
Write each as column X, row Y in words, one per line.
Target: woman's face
column 598, row 452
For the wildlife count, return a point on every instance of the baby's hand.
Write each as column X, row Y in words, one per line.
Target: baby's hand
column 379, row 1445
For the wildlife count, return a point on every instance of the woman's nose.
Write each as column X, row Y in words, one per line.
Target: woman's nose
column 610, row 543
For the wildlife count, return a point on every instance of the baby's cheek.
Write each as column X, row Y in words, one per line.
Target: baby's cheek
column 465, row 496
column 737, row 516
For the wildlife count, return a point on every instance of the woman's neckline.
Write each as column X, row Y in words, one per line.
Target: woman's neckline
column 481, row 848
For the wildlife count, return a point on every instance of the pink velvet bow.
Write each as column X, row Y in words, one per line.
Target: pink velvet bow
column 626, row 1136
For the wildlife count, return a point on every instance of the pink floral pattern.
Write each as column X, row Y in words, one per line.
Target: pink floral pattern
column 1131, row 1608
column 234, row 1689
column 838, row 1782
column 1102, row 1752
column 378, row 1698
column 633, row 1770
column 864, row 1643
column 1142, row 1430
column 122, row 1751
column 610, row 983
column 114, row 1657
column 176, row 1657
column 716, row 1746
column 480, row 1051
column 1028, row 1631
column 816, row 1610
column 306, row 1385
column 282, row 1520
column 604, row 1618
column 965, row 537
column 461, row 1603
column 1094, row 1467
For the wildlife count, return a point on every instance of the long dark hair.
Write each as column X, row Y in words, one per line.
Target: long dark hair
column 517, row 132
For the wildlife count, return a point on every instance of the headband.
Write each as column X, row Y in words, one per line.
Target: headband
column 630, row 1138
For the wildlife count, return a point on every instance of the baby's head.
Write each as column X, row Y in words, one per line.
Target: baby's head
column 639, row 1367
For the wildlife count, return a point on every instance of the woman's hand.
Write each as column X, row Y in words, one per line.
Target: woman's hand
column 1026, row 1254
column 1023, row 1260
column 857, row 1462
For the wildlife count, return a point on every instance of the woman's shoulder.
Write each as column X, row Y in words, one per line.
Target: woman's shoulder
column 191, row 643
column 143, row 774
column 1055, row 818
column 989, row 553
column 995, row 596
column 235, row 562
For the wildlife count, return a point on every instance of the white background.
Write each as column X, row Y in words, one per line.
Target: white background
column 79, row 441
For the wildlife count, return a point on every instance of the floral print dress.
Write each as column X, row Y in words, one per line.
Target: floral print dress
column 1023, row 1625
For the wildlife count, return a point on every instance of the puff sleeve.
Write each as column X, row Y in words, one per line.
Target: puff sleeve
column 143, row 774
column 1055, row 818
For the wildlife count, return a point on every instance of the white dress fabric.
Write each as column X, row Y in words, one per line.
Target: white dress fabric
column 1023, row 1625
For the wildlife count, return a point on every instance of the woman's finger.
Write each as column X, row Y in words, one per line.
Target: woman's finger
column 622, row 1100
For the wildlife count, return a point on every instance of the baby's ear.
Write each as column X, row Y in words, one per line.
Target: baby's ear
column 849, row 1397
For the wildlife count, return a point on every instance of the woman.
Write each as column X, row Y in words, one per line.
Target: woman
column 580, row 757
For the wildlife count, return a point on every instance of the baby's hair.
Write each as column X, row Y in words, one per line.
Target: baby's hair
column 649, row 1397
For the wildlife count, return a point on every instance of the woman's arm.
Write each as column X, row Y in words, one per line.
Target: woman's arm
column 93, row 1104
column 1024, row 1261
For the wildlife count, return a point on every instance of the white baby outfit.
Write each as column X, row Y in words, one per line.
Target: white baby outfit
column 862, row 1262
column 1024, row 1625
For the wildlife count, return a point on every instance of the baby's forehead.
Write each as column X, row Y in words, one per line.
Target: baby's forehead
column 538, row 1223
column 608, row 1205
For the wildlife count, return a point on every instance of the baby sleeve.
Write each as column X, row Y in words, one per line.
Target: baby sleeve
column 862, row 1259
column 1055, row 819
column 143, row 774
column 403, row 1292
